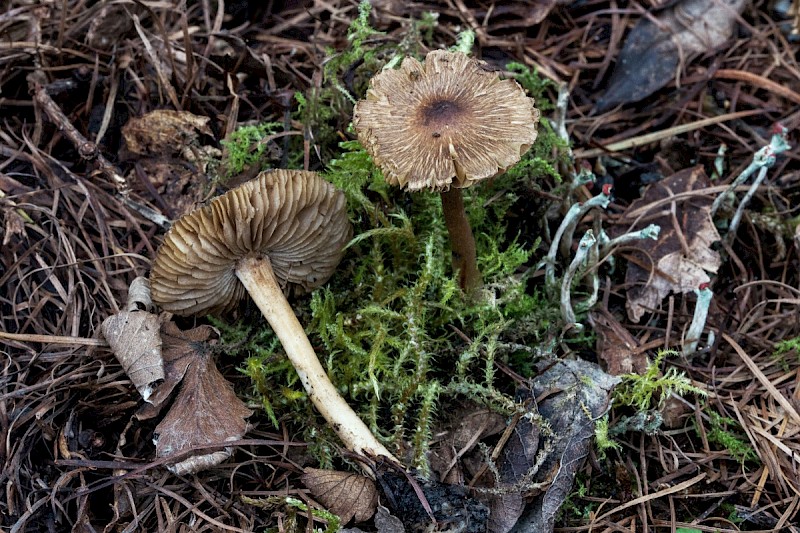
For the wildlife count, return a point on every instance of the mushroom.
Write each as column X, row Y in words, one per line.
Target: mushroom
column 283, row 230
column 443, row 125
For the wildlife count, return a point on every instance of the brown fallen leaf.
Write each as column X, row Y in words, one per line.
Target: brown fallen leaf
column 658, row 44
column 345, row 494
column 463, row 428
column 616, row 346
column 206, row 410
column 576, row 394
column 164, row 132
column 681, row 258
column 133, row 336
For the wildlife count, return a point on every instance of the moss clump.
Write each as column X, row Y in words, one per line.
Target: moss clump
column 245, row 148
column 651, row 389
column 392, row 327
column 726, row 432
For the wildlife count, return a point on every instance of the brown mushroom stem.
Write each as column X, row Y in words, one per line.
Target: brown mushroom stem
column 257, row 276
column 462, row 242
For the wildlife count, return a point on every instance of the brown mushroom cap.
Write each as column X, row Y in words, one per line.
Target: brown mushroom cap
column 295, row 218
column 447, row 121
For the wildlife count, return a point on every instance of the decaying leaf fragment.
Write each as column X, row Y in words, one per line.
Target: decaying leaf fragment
column 616, row 346
column 681, row 258
column 206, row 411
column 133, row 336
column 465, row 426
column 345, row 494
column 657, row 45
column 576, row 393
column 164, row 131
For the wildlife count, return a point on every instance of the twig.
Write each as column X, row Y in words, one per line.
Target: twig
column 87, row 149
column 51, row 339
column 663, row 134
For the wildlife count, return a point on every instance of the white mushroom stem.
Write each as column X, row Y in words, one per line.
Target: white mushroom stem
column 258, row 278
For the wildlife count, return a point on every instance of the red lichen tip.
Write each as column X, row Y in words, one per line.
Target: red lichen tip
column 779, row 129
column 704, row 286
column 607, row 189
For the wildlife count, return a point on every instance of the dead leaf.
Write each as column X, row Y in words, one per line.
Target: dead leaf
column 386, row 522
column 518, row 469
column 345, row 494
column 504, row 511
column 464, row 427
column 206, row 410
column 616, row 346
column 576, row 394
column 133, row 336
column 164, row 132
column 681, row 258
column 14, row 224
column 658, row 44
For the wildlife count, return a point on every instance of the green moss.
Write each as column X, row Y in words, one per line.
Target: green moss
column 244, row 147
column 727, row 432
column 602, row 439
column 392, row 328
column 651, row 389
column 533, row 83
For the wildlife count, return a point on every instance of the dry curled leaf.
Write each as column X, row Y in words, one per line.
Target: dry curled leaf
column 345, row 494
column 206, row 411
column 133, row 336
column 163, row 132
column 681, row 258
column 656, row 46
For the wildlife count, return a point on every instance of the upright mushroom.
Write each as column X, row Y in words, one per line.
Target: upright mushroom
column 446, row 124
column 283, row 230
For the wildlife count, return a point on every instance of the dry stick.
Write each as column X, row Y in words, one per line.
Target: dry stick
column 462, row 241
column 762, row 481
column 663, row 134
column 89, row 150
column 758, row 81
column 52, row 339
column 653, row 496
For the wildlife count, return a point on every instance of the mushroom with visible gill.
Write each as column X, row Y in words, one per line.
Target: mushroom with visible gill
column 444, row 125
column 283, row 229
